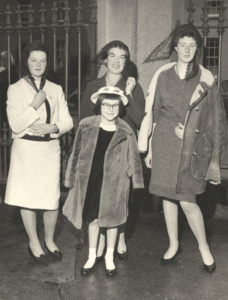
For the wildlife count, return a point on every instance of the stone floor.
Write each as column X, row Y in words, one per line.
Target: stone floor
column 140, row 277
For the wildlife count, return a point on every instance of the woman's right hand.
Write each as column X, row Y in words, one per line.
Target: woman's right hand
column 38, row 99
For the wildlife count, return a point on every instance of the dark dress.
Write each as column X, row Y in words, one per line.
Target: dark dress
column 171, row 105
column 92, row 200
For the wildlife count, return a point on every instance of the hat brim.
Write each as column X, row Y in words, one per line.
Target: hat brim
column 95, row 96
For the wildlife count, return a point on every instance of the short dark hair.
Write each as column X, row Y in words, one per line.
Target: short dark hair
column 97, row 106
column 33, row 46
column 114, row 44
column 188, row 30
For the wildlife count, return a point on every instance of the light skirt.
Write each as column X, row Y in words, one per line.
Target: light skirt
column 34, row 175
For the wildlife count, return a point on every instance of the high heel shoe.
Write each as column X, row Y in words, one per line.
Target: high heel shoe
column 86, row 271
column 42, row 259
column 57, row 255
column 110, row 273
column 123, row 256
column 165, row 261
column 100, row 258
column 210, row 268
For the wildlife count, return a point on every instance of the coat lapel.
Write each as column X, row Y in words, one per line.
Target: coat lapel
column 206, row 81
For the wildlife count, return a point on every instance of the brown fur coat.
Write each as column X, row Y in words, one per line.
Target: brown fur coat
column 122, row 163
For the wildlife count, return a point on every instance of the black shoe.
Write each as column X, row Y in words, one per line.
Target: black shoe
column 100, row 258
column 110, row 273
column 57, row 255
column 122, row 256
column 86, row 271
column 42, row 259
column 165, row 261
column 210, row 268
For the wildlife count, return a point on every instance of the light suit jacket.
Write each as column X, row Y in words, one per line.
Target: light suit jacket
column 21, row 115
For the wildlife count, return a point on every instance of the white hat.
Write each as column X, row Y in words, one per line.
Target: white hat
column 109, row 90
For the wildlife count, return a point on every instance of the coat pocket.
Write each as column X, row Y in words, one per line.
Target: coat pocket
column 201, row 157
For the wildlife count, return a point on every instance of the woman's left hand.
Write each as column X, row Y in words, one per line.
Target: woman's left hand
column 130, row 85
column 42, row 129
column 179, row 131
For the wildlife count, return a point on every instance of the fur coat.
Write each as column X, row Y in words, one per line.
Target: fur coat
column 121, row 164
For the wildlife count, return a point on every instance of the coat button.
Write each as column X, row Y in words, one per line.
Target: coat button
column 194, row 153
column 197, row 108
column 197, row 131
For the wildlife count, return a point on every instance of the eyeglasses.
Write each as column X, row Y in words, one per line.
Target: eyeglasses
column 110, row 106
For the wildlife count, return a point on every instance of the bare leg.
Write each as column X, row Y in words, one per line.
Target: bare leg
column 101, row 245
column 50, row 219
column 93, row 232
column 171, row 218
column 29, row 221
column 111, row 242
column 196, row 223
column 122, row 248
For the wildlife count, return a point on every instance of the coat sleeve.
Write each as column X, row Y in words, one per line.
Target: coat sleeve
column 65, row 122
column 136, row 107
column 73, row 159
column 218, row 136
column 153, row 107
column 19, row 116
column 135, row 165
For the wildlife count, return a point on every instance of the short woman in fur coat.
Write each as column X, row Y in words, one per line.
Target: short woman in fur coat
column 104, row 160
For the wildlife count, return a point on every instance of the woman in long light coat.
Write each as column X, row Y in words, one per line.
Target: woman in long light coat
column 38, row 115
column 186, row 142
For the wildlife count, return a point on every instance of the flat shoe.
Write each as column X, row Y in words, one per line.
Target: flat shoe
column 165, row 261
column 56, row 254
column 210, row 268
column 42, row 259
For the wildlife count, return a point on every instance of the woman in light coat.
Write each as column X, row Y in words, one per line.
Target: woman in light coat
column 38, row 115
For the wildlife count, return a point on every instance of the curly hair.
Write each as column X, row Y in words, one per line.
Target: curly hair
column 188, row 30
column 114, row 44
